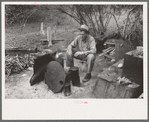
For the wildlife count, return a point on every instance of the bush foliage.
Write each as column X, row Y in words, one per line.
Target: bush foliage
column 97, row 17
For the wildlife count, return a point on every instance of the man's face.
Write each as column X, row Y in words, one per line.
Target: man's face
column 83, row 34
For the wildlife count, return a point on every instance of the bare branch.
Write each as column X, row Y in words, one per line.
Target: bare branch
column 108, row 20
column 70, row 15
column 124, row 31
column 29, row 16
column 116, row 23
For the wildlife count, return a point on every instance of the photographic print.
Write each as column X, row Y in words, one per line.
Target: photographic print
column 78, row 53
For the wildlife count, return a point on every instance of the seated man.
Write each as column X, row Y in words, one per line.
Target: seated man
column 84, row 48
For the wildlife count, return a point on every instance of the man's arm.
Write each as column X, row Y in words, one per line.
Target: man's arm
column 92, row 47
column 73, row 44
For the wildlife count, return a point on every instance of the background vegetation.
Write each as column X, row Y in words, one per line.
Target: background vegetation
column 128, row 19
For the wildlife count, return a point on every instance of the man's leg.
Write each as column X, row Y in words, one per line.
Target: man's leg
column 69, row 60
column 90, row 62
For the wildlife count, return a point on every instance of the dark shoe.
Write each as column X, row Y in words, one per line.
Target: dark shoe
column 67, row 90
column 87, row 77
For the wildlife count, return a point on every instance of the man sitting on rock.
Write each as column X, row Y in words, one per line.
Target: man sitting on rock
column 83, row 47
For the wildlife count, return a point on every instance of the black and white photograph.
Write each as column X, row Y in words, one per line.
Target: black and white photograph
column 74, row 54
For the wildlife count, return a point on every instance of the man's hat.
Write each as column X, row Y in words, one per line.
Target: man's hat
column 84, row 28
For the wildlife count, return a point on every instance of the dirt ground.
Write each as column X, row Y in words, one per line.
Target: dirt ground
column 17, row 86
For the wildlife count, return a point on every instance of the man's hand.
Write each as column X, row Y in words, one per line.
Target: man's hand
column 78, row 53
column 86, row 52
column 69, row 51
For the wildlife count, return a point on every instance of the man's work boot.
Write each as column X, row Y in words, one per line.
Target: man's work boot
column 67, row 86
column 67, row 90
column 87, row 77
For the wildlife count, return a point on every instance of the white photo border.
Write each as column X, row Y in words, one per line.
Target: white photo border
column 96, row 109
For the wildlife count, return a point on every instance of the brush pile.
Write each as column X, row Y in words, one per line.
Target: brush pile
column 15, row 64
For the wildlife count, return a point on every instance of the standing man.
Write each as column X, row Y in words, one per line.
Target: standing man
column 83, row 48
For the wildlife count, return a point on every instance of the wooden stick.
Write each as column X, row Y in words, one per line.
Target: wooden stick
column 112, row 52
column 110, row 43
column 106, row 51
column 109, row 56
column 49, row 36
column 41, row 29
